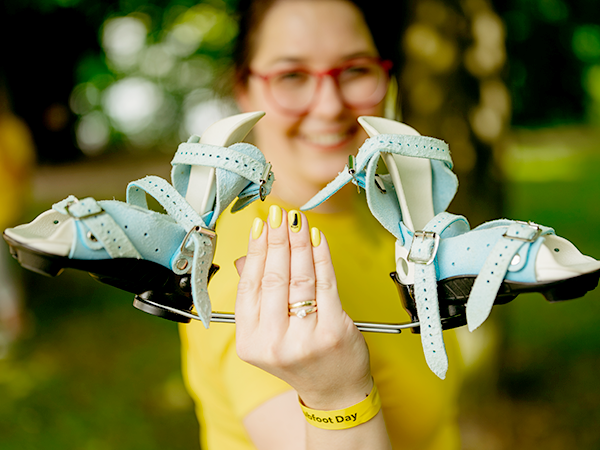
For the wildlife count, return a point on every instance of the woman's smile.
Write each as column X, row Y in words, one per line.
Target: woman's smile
column 328, row 141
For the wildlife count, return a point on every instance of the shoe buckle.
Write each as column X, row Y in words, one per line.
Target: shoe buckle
column 424, row 235
column 534, row 226
column 352, row 170
column 78, row 216
column 197, row 229
column 262, row 189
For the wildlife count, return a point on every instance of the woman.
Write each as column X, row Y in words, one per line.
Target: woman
column 246, row 388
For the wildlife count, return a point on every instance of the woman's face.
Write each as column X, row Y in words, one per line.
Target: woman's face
column 307, row 151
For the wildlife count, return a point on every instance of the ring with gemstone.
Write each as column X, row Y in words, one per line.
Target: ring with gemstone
column 303, row 308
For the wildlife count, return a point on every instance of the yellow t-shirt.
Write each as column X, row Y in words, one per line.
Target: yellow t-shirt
column 419, row 409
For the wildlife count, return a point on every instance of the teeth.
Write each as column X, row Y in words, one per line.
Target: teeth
column 326, row 139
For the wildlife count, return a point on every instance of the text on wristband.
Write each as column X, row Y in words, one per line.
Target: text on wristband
column 338, row 419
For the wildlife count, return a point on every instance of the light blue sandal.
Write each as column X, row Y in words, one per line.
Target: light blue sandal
column 441, row 264
column 163, row 258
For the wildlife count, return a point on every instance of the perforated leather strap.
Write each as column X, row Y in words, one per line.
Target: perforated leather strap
column 169, row 198
column 228, row 158
column 417, row 146
column 423, row 253
column 197, row 245
column 486, row 286
column 104, row 229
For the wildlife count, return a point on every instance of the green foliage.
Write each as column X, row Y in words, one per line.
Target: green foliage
column 552, row 45
column 93, row 374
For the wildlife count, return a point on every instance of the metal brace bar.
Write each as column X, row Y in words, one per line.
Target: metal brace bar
column 217, row 317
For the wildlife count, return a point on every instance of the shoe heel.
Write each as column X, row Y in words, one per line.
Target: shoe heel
column 572, row 288
column 43, row 264
column 139, row 302
column 177, row 294
column 452, row 315
column 408, row 301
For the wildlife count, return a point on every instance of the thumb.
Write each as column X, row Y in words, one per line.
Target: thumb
column 239, row 264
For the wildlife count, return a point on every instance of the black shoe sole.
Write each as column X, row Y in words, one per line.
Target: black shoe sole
column 147, row 279
column 453, row 294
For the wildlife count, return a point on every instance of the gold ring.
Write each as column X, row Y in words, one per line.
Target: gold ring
column 301, row 304
column 302, row 313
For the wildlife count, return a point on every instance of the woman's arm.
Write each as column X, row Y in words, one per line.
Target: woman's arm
column 322, row 356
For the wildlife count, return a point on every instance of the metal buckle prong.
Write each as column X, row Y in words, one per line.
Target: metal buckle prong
column 352, row 170
column 197, row 229
column 351, row 165
column 263, row 180
column 425, row 235
column 535, row 226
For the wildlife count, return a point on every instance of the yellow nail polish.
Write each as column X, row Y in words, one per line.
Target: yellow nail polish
column 275, row 216
column 257, row 228
column 294, row 220
column 315, row 236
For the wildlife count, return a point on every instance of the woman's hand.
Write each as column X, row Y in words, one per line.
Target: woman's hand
column 322, row 356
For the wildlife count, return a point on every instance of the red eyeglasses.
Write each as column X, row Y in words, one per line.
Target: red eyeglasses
column 362, row 83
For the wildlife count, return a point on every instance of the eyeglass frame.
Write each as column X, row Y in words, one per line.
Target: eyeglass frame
column 334, row 73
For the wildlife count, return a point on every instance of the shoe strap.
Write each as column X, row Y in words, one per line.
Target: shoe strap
column 490, row 278
column 107, row 233
column 241, row 159
column 385, row 206
column 423, row 254
column 229, row 158
column 197, row 248
column 175, row 205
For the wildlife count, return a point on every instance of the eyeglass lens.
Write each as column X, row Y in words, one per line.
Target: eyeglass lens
column 360, row 85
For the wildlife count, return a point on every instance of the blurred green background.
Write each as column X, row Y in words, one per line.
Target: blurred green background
column 108, row 89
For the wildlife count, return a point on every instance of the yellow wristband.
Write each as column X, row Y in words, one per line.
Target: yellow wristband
column 342, row 419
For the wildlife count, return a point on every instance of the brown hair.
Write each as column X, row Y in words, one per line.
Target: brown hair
column 251, row 15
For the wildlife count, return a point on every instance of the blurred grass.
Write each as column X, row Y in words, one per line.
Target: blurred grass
column 93, row 373
column 545, row 393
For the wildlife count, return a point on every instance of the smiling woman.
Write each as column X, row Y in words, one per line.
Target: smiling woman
column 312, row 146
column 314, row 67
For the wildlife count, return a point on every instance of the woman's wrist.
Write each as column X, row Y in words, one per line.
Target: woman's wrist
column 342, row 396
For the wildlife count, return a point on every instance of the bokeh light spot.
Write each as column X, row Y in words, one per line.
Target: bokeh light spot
column 84, row 98
column 586, row 42
column 122, row 39
column 92, row 133
column 131, row 103
column 200, row 115
column 157, row 61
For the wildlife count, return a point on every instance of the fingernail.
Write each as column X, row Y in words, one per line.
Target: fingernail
column 257, row 228
column 275, row 216
column 294, row 220
column 315, row 236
